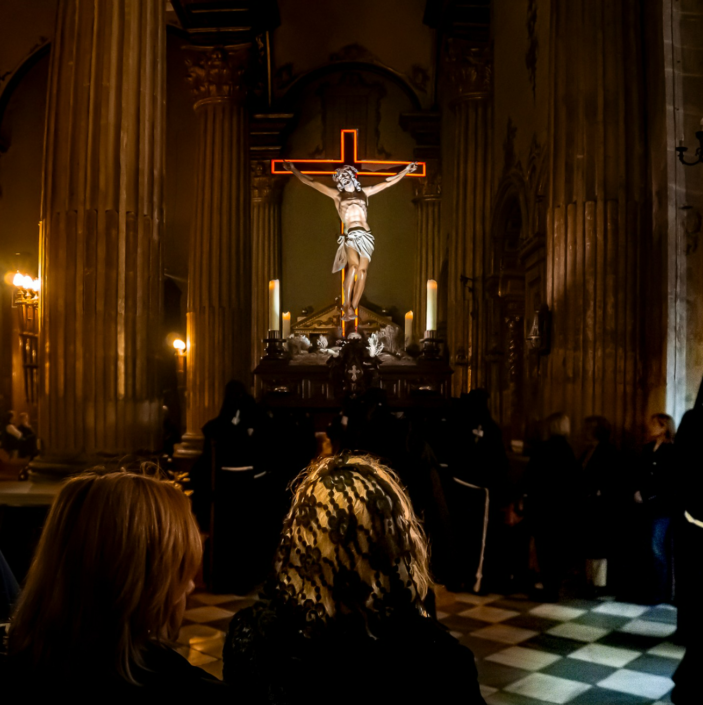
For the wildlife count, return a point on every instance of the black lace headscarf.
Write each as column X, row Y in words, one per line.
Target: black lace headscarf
column 351, row 544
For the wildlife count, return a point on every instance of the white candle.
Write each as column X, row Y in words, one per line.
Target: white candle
column 286, row 325
column 274, row 304
column 408, row 328
column 431, row 305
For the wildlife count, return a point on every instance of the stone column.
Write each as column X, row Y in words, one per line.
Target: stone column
column 597, row 210
column 219, row 275
column 425, row 127
column 100, row 233
column 428, row 263
column 470, row 71
column 266, row 248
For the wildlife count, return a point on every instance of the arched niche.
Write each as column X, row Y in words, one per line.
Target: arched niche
column 504, row 358
column 368, row 98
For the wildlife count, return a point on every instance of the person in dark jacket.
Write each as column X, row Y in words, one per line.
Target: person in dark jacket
column 105, row 597
column 10, row 436
column 344, row 619
column 689, row 549
column 550, row 503
column 598, row 484
column 28, row 444
column 655, row 489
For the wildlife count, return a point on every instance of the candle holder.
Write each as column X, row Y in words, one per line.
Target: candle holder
column 431, row 347
column 274, row 346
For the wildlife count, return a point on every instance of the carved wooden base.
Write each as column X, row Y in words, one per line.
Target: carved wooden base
column 274, row 346
column 431, row 346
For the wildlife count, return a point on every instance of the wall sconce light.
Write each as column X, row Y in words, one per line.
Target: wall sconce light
column 699, row 151
column 539, row 334
column 26, row 301
column 179, row 346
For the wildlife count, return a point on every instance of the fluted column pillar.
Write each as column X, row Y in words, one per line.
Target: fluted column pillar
column 219, row 273
column 428, row 262
column 266, row 193
column 596, row 214
column 100, row 233
column 425, row 128
column 470, row 70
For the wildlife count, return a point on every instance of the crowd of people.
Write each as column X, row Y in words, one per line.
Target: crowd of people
column 346, row 610
column 349, row 550
column 587, row 516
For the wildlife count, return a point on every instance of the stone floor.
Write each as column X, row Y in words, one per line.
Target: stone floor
column 585, row 652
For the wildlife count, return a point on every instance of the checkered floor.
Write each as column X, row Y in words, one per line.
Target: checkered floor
column 585, row 652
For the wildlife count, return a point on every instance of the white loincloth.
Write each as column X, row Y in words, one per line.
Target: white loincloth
column 358, row 239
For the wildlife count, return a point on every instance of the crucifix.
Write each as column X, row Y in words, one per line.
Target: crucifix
column 356, row 242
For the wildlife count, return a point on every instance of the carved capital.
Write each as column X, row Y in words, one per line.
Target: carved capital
column 264, row 186
column 217, row 75
column 430, row 187
column 469, row 69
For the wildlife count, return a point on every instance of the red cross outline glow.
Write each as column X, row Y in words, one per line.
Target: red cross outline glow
column 348, row 145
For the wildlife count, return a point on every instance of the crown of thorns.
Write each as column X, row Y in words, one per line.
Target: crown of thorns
column 346, row 173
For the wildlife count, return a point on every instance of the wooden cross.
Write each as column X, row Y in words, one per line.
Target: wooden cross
column 348, row 156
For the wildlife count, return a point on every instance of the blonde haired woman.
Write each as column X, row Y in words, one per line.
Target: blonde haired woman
column 106, row 593
column 344, row 617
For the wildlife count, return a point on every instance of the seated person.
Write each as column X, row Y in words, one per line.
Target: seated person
column 28, row 443
column 105, row 597
column 10, row 436
column 344, row 618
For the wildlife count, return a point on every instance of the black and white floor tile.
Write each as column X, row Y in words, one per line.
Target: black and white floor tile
column 580, row 652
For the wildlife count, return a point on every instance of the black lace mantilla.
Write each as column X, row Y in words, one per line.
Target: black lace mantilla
column 346, row 547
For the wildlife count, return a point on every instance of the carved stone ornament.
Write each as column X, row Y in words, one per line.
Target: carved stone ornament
column 217, row 75
column 429, row 187
column 264, row 186
column 470, row 68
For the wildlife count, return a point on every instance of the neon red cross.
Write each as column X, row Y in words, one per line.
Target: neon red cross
column 327, row 167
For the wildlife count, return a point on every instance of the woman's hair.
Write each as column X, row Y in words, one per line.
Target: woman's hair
column 117, row 553
column 351, row 543
column 667, row 423
column 598, row 428
column 557, row 424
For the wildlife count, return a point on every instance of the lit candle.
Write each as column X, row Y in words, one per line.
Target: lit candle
column 286, row 325
column 408, row 328
column 274, row 304
column 431, row 305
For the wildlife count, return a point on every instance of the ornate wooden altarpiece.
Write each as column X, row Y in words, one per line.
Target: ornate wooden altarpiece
column 332, row 368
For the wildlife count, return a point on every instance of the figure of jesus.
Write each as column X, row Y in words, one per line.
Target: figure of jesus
column 356, row 244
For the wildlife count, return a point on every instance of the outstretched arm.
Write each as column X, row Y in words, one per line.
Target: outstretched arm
column 390, row 181
column 331, row 192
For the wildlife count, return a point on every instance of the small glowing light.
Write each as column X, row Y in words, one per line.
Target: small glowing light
column 27, row 282
column 18, row 280
column 179, row 344
column 36, row 285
